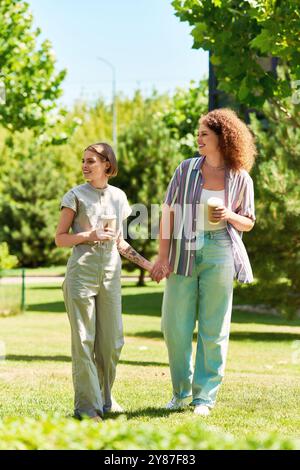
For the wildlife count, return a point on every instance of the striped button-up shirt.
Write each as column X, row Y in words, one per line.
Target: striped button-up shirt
column 183, row 195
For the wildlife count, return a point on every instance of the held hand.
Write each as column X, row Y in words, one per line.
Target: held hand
column 221, row 213
column 149, row 266
column 160, row 270
column 101, row 235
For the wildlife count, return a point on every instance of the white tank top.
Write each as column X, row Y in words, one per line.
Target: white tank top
column 202, row 219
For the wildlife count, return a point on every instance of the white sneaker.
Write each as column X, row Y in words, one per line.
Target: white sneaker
column 115, row 407
column 97, row 419
column 201, row 410
column 178, row 403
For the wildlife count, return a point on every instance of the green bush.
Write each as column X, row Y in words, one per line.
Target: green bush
column 273, row 244
column 22, row 433
column 7, row 261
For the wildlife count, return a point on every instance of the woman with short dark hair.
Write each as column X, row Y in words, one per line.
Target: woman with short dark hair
column 92, row 287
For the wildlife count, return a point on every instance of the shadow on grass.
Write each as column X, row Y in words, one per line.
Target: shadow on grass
column 149, row 304
column 144, row 363
column 143, row 304
column 263, row 336
column 241, row 317
column 44, row 287
column 235, row 336
column 27, row 358
column 144, row 412
column 137, row 304
column 47, row 307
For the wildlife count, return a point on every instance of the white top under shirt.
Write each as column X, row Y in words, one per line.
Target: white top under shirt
column 203, row 212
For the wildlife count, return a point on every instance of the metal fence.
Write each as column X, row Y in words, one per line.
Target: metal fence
column 12, row 292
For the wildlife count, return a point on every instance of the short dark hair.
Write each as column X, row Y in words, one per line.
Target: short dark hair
column 106, row 152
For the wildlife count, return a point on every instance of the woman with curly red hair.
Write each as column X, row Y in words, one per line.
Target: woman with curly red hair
column 201, row 255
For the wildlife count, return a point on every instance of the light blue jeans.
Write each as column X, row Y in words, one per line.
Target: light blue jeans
column 205, row 296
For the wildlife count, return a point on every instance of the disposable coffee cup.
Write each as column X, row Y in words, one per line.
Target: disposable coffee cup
column 107, row 221
column 212, row 203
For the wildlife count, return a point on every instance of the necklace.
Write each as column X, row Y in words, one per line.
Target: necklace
column 214, row 167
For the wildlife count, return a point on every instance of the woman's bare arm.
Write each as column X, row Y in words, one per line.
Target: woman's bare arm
column 241, row 223
column 162, row 267
column 65, row 239
column 131, row 254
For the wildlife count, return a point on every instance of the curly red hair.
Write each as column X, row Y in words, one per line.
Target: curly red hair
column 236, row 141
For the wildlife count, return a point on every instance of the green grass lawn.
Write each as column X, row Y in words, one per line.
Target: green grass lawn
column 261, row 390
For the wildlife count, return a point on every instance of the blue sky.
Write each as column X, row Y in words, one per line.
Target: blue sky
column 147, row 44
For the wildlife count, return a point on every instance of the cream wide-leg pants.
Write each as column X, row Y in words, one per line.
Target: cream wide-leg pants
column 92, row 294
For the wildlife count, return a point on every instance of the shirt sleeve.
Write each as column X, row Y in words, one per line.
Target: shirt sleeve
column 246, row 207
column 69, row 200
column 173, row 188
column 126, row 210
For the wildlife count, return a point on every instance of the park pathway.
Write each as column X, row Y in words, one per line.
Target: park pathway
column 52, row 279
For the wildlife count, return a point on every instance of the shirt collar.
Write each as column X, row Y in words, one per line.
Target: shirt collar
column 200, row 160
column 99, row 190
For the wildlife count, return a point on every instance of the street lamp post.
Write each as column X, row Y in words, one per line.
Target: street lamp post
column 114, row 107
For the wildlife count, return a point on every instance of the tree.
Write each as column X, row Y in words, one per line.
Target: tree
column 182, row 114
column 29, row 207
column 154, row 135
column 147, row 158
column 82, row 126
column 27, row 70
column 241, row 34
column 35, row 172
column 274, row 245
